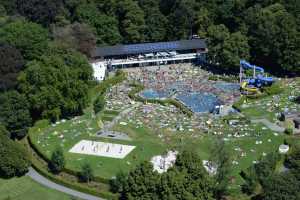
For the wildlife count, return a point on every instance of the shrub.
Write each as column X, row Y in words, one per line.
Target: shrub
column 297, row 100
column 87, row 173
column 117, row 184
column 99, row 104
column 289, row 131
column 14, row 160
column 57, row 161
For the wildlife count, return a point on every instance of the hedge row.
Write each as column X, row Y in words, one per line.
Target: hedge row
column 138, row 88
column 73, row 185
column 106, row 84
column 223, row 78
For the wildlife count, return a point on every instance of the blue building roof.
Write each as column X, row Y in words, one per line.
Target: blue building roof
column 143, row 48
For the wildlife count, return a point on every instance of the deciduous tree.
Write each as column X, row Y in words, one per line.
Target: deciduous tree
column 11, row 63
column 14, row 158
column 57, row 161
column 15, row 115
column 29, row 38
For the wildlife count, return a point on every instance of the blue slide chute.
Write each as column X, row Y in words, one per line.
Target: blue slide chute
column 259, row 80
column 247, row 65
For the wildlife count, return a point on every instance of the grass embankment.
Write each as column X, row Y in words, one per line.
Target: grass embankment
column 69, row 176
column 24, row 188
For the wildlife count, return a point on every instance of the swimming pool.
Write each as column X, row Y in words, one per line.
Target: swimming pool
column 154, row 94
column 227, row 87
column 199, row 102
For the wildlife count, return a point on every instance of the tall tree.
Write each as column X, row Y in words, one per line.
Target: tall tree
column 182, row 19
column 57, row 161
column 132, row 23
column 15, row 115
column 14, row 158
column 281, row 186
column 76, row 36
column 11, row 63
column 10, row 6
column 56, row 85
column 141, row 182
column 227, row 49
column 29, row 38
column 222, row 159
column 87, row 173
column 274, row 38
column 40, row 11
column 156, row 22
column 106, row 26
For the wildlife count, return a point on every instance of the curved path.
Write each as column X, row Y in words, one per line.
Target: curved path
column 43, row 181
column 270, row 125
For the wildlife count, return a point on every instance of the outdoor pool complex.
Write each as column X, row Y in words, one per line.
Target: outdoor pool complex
column 198, row 102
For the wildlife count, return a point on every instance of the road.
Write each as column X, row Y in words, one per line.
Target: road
column 43, row 181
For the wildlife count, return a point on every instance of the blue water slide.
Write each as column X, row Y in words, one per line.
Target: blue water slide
column 247, row 65
column 265, row 80
column 260, row 79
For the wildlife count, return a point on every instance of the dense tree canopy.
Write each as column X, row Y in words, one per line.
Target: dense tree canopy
column 106, row 26
column 29, row 38
column 14, row 159
column 225, row 48
column 11, row 63
column 76, row 36
column 274, row 38
column 15, row 115
column 56, row 85
column 266, row 32
column 131, row 19
column 40, row 11
column 186, row 180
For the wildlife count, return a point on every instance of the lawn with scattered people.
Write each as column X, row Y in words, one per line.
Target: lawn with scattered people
column 155, row 129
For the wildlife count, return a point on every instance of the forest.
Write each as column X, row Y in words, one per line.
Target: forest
column 45, row 47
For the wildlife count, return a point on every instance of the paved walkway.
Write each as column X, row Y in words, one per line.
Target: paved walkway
column 270, row 125
column 43, row 181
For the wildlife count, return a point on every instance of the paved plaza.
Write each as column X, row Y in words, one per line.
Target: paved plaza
column 102, row 149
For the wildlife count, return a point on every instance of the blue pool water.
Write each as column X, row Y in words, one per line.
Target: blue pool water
column 199, row 102
column 153, row 94
column 227, row 87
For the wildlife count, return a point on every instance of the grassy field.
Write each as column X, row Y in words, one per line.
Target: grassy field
column 26, row 189
column 149, row 144
column 256, row 140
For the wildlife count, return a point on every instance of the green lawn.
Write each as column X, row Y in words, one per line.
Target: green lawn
column 26, row 189
column 266, row 107
column 244, row 150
